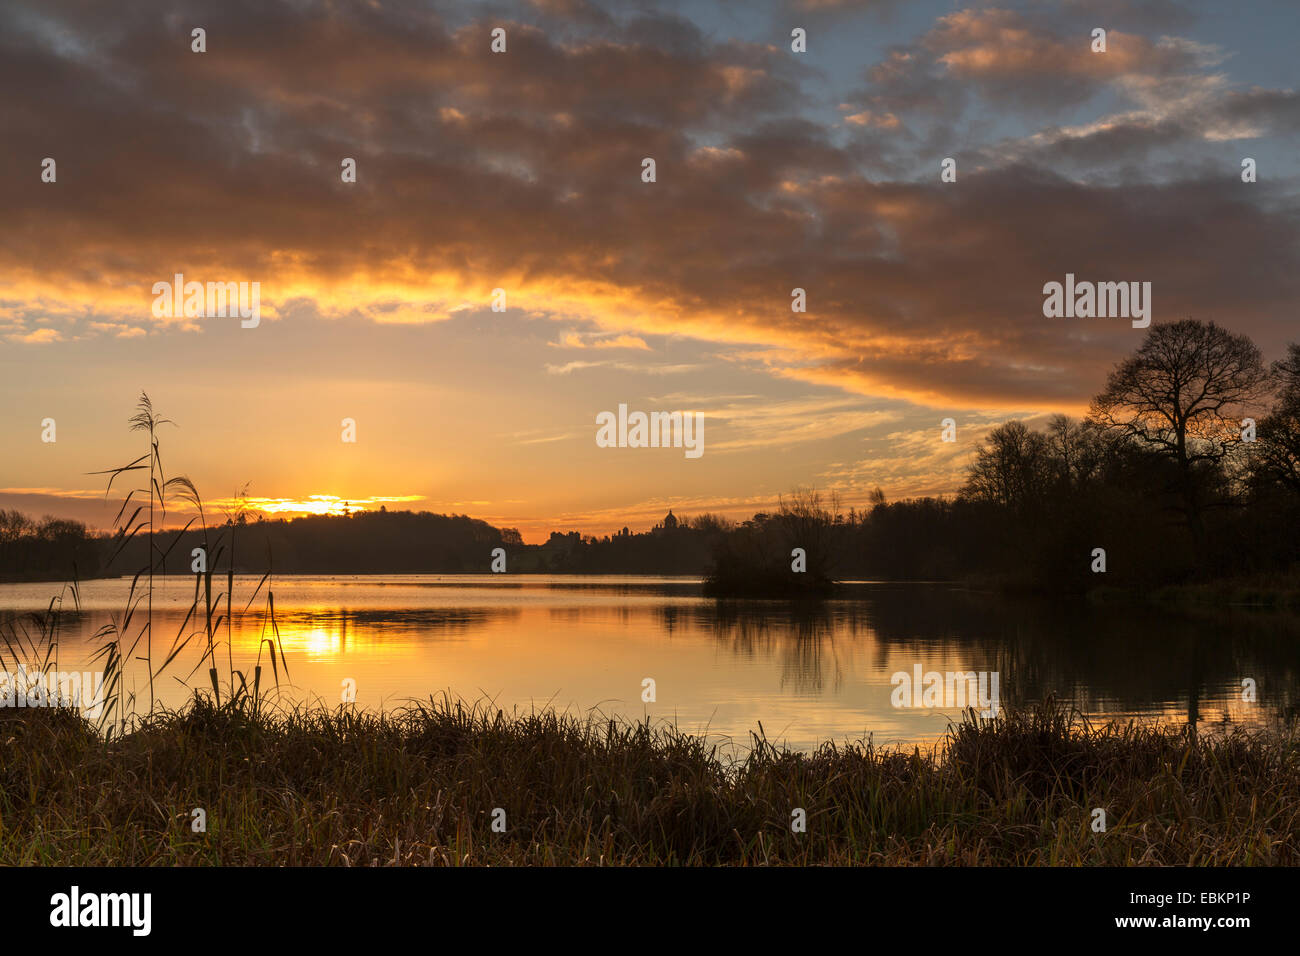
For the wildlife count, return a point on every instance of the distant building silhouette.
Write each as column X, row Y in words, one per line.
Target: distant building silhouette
column 668, row 525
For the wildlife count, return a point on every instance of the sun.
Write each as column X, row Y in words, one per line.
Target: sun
column 311, row 505
column 330, row 505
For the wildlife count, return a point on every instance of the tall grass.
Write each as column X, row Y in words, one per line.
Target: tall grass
column 32, row 643
column 419, row 787
column 303, row 785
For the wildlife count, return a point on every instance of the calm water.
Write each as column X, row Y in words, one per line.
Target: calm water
column 807, row 674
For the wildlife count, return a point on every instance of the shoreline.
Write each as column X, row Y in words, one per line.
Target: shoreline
column 446, row 783
column 1267, row 593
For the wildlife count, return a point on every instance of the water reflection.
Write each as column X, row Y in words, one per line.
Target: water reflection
column 815, row 670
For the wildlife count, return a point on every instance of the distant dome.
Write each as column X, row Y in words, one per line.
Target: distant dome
column 670, row 522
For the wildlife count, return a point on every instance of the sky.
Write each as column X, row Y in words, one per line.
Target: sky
column 522, row 171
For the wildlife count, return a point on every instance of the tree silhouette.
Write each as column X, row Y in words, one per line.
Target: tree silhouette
column 1279, row 432
column 1182, row 394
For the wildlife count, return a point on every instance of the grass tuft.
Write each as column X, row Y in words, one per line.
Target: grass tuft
column 418, row 786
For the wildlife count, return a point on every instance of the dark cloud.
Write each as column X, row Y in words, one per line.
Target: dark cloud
column 479, row 170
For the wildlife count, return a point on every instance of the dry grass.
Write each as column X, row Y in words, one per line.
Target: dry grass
column 418, row 787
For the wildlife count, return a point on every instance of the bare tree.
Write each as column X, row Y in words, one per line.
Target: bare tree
column 1080, row 451
column 1010, row 467
column 1278, row 450
column 1182, row 393
column 807, row 520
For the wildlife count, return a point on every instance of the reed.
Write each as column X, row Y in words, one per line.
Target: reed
column 305, row 785
column 31, row 644
column 418, row 786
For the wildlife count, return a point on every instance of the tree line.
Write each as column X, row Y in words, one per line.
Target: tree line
column 47, row 548
column 1186, row 467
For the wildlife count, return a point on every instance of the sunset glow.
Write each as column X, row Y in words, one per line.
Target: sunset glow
column 498, row 273
column 315, row 504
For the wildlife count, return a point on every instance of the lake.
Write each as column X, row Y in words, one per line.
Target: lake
column 807, row 673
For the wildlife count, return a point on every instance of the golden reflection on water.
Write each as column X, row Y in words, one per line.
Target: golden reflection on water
column 808, row 673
